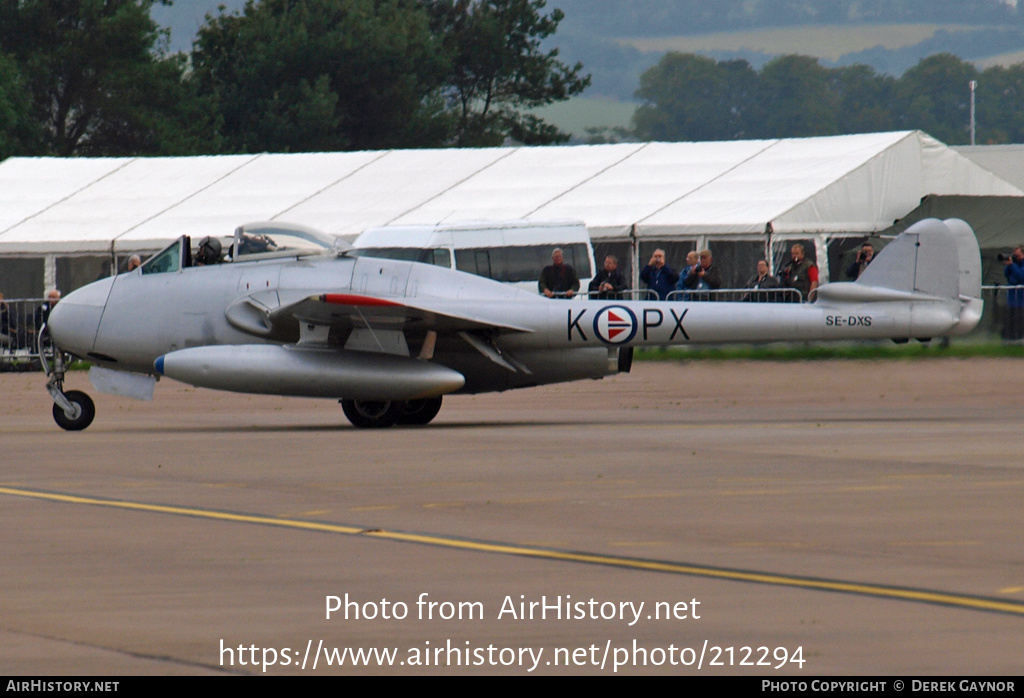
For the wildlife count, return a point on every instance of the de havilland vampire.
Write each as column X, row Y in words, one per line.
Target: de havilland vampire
column 389, row 338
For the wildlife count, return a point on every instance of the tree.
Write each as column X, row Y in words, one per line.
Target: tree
column 497, row 69
column 864, row 99
column 797, row 99
column 933, row 96
column 304, row 75
column 290, row 75
column 98, row 81
column 689, row 97
column 1000, row 105
column 19, row 135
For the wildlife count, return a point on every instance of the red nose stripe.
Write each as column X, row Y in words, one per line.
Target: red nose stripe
column 348, row 299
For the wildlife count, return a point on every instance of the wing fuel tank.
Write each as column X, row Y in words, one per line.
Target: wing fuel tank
column 280, row 370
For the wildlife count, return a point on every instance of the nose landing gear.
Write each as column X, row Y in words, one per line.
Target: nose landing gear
column 72, row 410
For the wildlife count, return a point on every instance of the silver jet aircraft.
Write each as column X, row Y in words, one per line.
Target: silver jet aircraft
column 286, row 311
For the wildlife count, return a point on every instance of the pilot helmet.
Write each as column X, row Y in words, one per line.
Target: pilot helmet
column 209, row 251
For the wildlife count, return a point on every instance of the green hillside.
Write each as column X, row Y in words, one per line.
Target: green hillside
column 828, row 42
column 577, row 115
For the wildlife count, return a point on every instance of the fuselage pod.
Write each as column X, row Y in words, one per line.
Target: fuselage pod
column 282, row 370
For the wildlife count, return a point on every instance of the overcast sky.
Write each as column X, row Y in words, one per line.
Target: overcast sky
column 186, row 16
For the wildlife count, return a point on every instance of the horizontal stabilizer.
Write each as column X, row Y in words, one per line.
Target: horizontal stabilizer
column 848, row 292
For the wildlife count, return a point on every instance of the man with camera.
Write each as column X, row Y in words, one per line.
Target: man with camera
column 703, row 275
column 1013, row 269
column 867, row 253
column 609, row 282
column 658, row 276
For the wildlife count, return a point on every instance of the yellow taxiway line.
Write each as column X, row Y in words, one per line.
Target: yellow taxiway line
column 977, row 603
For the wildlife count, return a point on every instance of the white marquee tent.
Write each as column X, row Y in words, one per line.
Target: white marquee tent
column 791, row 188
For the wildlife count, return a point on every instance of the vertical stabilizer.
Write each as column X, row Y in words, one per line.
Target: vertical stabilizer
column 970, row 257
column 923, row 259
column 931, row 261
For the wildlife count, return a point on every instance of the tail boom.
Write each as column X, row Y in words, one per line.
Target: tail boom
column 924, row 284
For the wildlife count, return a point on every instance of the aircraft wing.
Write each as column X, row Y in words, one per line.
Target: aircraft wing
column 269, row 315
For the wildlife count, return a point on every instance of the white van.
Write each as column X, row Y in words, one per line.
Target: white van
column 508, row 251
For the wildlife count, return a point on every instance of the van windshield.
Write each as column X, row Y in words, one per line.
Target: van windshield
column 439, row 257
column 520, row 263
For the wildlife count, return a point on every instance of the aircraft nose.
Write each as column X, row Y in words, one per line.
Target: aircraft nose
column 75, row 319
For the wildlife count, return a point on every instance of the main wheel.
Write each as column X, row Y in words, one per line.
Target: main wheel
column 372, row 414
column 420, row 412
column 83, row 405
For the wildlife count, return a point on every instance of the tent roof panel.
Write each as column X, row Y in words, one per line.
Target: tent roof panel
column 517, row 185
column 384, row 190
column 845, row 183
column 1007, row 161
column 259, row 189
column 32, row 185
column 774, row 180
column 649, row 179
column 123, row 199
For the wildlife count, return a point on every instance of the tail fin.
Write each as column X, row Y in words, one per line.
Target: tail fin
column 931, row 260
column 932, row 257
column 970, row 275
column 970, row 257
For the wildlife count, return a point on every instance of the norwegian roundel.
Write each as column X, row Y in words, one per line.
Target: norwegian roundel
column 615, row 324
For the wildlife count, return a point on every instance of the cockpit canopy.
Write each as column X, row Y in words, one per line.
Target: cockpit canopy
column 251, row 242
column 260, row 240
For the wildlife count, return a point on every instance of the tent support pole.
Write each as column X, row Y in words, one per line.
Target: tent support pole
column 634, row 245
column 49, row 273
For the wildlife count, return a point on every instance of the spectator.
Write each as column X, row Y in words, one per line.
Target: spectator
column 1013, row 269
column 867, row 253
column 703, row 276
column 658, row 276
column 43, row 311
column 692, row 257
column 7, row 327
column 800, row 273
column 609, row 282
column 558, row 279
column 761, row 281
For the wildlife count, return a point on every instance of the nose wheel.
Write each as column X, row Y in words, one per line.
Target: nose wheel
column 82, row 411
column 72, row 410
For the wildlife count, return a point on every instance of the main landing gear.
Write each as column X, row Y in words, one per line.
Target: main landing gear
column 380, row 414
column 72, row 410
